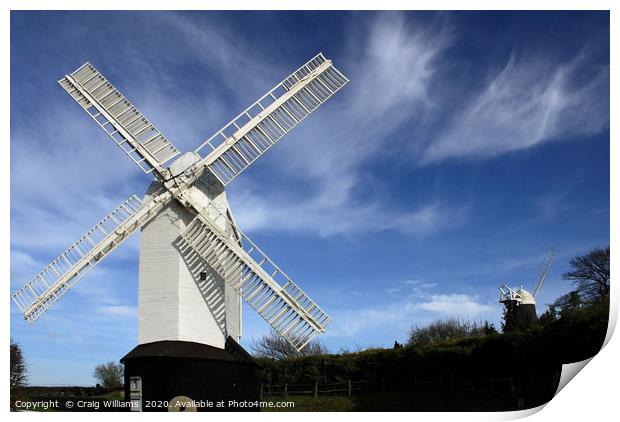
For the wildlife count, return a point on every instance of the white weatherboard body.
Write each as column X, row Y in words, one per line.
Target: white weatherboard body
column 174, row 302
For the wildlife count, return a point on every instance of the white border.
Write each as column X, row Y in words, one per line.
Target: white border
column 592, row 395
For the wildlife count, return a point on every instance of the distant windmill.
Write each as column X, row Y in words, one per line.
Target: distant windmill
column 195, row 263
column 521, row 304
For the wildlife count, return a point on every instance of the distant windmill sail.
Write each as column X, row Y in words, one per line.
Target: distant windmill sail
column 545, row 270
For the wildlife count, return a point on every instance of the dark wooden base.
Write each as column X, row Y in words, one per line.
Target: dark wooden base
column 215, row 379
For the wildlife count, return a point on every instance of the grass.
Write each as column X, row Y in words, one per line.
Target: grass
column 112, row 395
column 427, row 400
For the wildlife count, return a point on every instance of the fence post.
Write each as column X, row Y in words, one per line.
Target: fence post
column 383, row 384
column 286, row 389
column 261, row 392
column 415, row 380
column 451, row 382
column 349, row 388
column 316, row 388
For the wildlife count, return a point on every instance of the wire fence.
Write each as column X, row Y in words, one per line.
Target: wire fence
column 512, row 385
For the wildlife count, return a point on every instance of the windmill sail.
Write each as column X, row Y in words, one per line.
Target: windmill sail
column 264, row 123
column 122, row 121
column 545, row 270
column 64, row 272
column 233, row 255
column 263, row 285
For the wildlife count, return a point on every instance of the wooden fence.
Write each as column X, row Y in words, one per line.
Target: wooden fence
column 533, row 384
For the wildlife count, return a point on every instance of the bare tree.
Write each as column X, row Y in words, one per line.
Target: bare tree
column 19, row 373
column 110, row 375
column 274, row 346
column 448, row 329
column 567, row 303
column 590, row 274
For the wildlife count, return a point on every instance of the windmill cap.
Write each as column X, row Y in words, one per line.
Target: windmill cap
column 184, row 162
column 526, row 297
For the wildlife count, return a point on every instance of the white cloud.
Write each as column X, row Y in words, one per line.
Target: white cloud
column 119, row 310
column 325, row 215
column 390, row 74
column 396, row 69
column 19, row 258
column 418, row 288
column 23, row 265
column 456, row 305
column 530, row 101
column 402, row 315
column 413, row 282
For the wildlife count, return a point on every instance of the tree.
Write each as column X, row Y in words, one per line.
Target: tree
column 489, row 328
column 19, row 372
column 110, row 375
column 274, row 346
column 448, row 329
column 549, row 316
column 568, row 303
column 590, row 274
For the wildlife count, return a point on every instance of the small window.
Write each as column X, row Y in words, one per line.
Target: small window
column 203, row 276
column 135, row 384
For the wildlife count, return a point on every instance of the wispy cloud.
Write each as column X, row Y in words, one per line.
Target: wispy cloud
column 413, row 288
column 394, row 66
column 413, row 282
column 418, row 289
column 119, row 310
column 327, row 216
column 529, row 101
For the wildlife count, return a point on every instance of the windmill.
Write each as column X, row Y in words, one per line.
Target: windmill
column 195, row 263
column 520, row 304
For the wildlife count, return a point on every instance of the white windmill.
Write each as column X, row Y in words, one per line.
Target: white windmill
column 195, row 263
column 521, row 304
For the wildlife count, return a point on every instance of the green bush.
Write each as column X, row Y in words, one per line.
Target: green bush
column 538, row 350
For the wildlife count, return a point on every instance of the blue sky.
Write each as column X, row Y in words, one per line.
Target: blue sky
column 464, row 146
